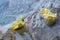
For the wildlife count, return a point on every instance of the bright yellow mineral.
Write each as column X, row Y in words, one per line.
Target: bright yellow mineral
column 19, row 23
column 51, row 17
column 44, row 11
column 48, row 15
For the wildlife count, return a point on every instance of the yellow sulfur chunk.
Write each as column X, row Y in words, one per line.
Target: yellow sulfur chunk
column 21, row 24
column 16, row 25
column 51, row 17
column 48, row 16
column 44, row 11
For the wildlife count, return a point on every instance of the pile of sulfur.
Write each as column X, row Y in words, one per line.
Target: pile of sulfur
column 48, row 16
column 19, row 25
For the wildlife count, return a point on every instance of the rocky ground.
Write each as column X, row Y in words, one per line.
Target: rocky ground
column 10, row 9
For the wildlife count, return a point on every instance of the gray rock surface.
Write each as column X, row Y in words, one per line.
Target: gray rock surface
column 36, row 24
